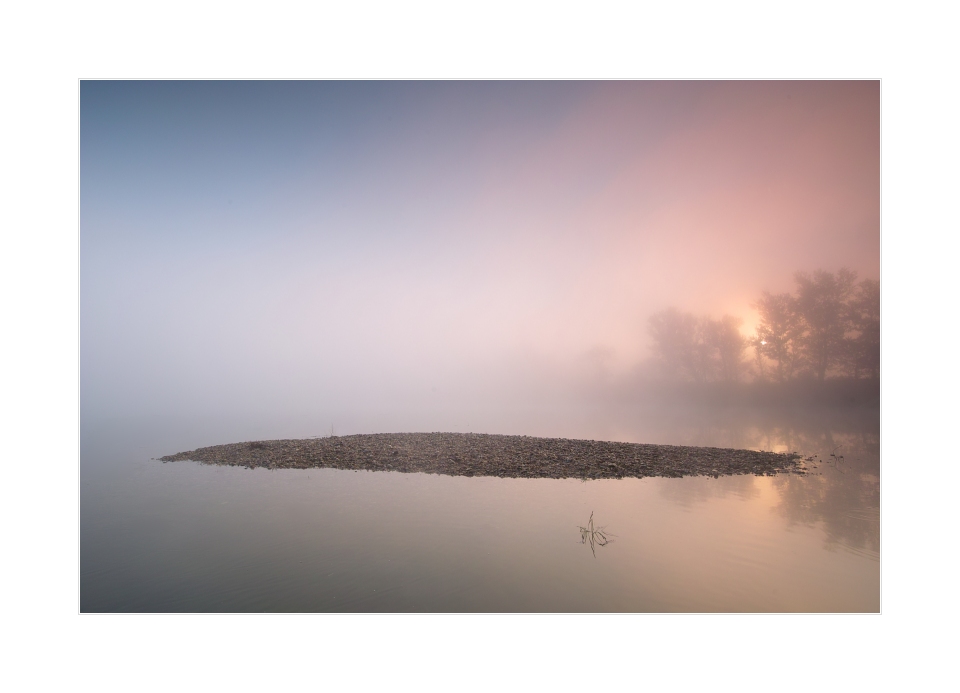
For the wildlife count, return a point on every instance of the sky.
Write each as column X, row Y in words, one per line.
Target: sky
column 418, row 255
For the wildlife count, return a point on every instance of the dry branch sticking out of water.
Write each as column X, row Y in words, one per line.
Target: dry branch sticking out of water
column 476, row 454
column 595, row 536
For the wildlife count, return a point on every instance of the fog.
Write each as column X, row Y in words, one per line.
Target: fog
column 404, row 256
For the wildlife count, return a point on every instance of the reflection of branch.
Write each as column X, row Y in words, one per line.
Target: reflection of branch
column 596, row 536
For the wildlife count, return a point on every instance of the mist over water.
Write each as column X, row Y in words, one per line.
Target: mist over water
column 425, row 256
column 264, row 260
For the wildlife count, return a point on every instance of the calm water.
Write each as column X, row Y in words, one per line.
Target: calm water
column 187, row 537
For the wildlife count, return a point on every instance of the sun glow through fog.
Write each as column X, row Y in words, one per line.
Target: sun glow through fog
column 251, row 244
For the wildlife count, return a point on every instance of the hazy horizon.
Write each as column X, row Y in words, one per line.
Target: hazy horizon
column 433, row 252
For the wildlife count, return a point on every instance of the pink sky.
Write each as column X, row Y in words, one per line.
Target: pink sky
column 759, row 181
column 265, row 242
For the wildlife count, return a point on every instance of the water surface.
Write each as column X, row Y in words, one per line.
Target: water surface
column 189, row 537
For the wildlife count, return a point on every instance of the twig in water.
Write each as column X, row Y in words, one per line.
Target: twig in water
column 595, row 535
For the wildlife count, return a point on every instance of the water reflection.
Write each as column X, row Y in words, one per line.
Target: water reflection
column 840, row 493
column 190, row 537
column 701, row 489
column 843, row 498
column 595, row 536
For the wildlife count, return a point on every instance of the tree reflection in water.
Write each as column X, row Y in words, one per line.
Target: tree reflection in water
column 841, row 491
column 842, row 495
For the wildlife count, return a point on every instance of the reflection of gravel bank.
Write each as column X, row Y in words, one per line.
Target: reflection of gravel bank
column 473, row 454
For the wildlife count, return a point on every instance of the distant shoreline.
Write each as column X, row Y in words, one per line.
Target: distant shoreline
column 475, row 454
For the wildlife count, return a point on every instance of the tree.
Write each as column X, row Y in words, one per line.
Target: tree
column 822, row 304
column 698, row 349
column 778, row 333
column 831, row 326
column 759, row 355
column 673, row 336
column 730, row 345
column 865, row 319
column 701, row 364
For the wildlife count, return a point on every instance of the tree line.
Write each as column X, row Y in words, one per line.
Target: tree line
column 829, row 327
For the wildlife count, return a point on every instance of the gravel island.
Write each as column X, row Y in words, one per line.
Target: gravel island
column 476, row 454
